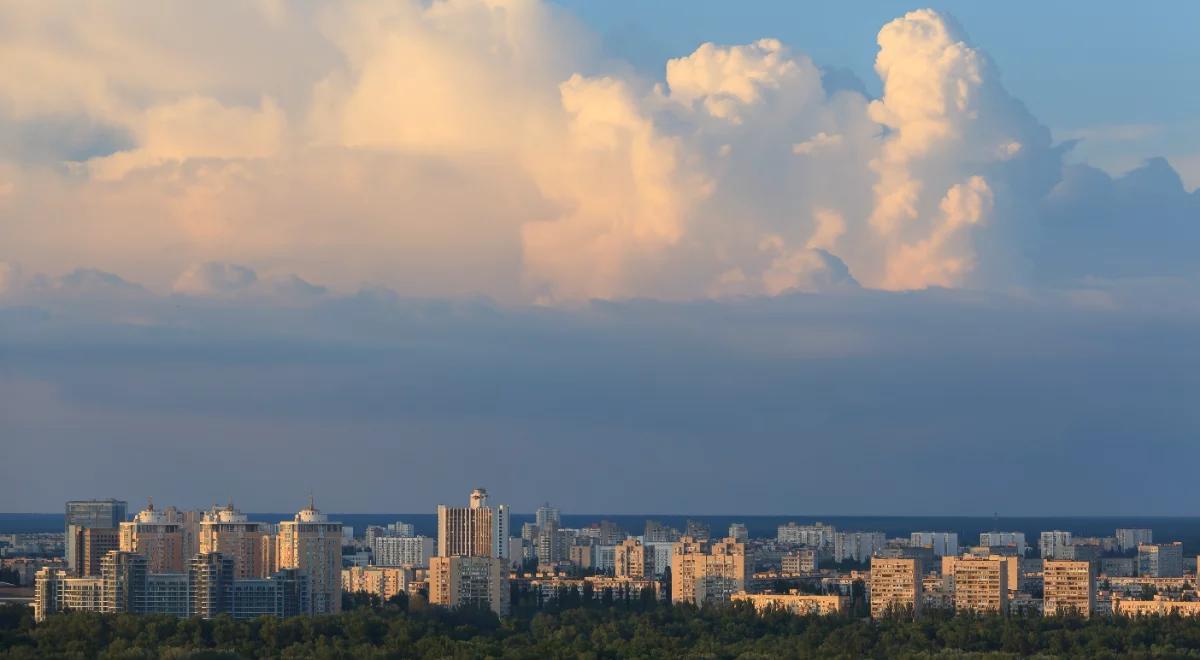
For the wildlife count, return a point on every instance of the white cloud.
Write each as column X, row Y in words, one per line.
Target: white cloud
column 481, row 146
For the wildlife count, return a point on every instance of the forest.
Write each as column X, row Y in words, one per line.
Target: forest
column 635, row 629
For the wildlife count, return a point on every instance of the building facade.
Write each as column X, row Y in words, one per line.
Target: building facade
column 462, row 580
column 477, row 530
column 702, row 573
column 895, row 587
column 157, row 537
column 632, row 559
column 403, row 550
column 311, row 543
column 794, row 603
column 88, row 514
column 981, row 585
column 1068, row 587
column 942, row 543
column 229, row 532
column 1128, row 539
column 1160, row 560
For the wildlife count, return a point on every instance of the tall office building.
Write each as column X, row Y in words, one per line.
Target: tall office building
column 1054, row 545
column 1014, row 540
column 230, row 532
column 631, row 559
column 1130, row 539
column 708, row 573
column 981, row 585
column 1068, row 587
column 895, row 587
column 943, row 543
column 1160, row 560
column 157, row 537
column 87, row 514
column 312, row 543
column 477, row 530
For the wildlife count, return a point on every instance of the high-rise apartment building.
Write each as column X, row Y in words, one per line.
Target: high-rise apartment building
column 55, row 590
column 461, row 580
column 857, row 546
column 88, row 514
column 708, row 573
column 1054, row 545
column 157, row 537
column 229, row 532
column 1068, row 587
column 817, row 535
column 91, row 544
column 895, row 587
column 403, row 550
column 1160, row 560
column 1014, row 540
column 312, row 543
column 1130, row 539
column 656, row 532
column 547, row 514
column 210, row 583
column 942, row 543
column 477, row 530
column 981, row 585
column 632, row 559
column 800, row 562
column 738, row 532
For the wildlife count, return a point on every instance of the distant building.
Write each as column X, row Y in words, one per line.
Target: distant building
column 895, row 587
column 981, row 585
column 157, row 537
column 1118, row 566
column 91, row 544
column 794, row 603
column 477, row 530
column 547, row 514
column 1054, row 544
column 632, row 559
column 739, row 533
column 656, row 532
column 1156, row 607
column 88, row 514
column 708, row 573
column 1068, row 587
column 801, row 562
column 1015, row 540
column 461, row 580
column 403, row 550
column 1129, row 539
column 942, row 543
column 698, row 530
column 230, row 532
column 382, row 581
column 311, row 543
column 817, row 535
column 401, row 529
column 1160, row 560
column 857, row 546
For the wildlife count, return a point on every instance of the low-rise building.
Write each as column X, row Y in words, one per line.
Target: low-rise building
column 794, row 603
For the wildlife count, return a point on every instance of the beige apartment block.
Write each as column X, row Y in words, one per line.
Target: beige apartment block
column 382, row 581
column 633, row 560
column 981, row 585
column 895, row 586
column 457, row 581
column 313, row 544
column 794, row 603
column 707, row 573
column 157, row 537
column 1068, row 587
column 229, row 532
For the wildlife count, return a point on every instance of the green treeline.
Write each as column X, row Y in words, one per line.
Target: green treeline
column 614, row 630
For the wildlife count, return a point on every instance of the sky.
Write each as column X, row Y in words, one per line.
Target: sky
column 626, row 257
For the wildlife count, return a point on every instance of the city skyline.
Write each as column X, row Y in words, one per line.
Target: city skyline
column 707, row 258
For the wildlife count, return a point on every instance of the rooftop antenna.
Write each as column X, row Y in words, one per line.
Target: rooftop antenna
column 311, row 505
column 149, row 503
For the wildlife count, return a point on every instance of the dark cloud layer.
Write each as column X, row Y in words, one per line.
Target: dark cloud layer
column 933, row 402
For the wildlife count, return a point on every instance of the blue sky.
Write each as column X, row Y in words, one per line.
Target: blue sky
column 1122, row 77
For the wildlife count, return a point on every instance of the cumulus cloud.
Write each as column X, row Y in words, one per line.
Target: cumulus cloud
column 486, row 146
column 215, row 278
